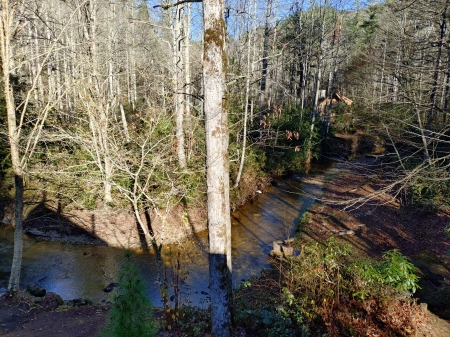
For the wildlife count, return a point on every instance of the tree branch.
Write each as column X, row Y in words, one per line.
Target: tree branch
column 176, row 4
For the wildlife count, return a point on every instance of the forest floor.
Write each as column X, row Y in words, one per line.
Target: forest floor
column 353, row 208
column 372, row 228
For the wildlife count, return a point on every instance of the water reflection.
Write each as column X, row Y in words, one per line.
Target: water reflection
column 75, row 271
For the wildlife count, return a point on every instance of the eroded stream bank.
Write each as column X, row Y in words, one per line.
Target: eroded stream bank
column 75, row 271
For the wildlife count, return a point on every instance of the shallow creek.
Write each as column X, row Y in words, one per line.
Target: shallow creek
column 75, row 271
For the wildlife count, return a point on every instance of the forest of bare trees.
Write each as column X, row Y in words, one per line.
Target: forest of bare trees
column 103, row 100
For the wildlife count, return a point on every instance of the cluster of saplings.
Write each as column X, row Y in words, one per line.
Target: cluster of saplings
column 326, row 289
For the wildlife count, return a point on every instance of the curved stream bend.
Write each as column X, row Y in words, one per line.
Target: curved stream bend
column 75, row 271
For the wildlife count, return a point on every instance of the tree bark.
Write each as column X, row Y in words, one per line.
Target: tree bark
column 99, row 121
column 179, row 96
column 335, row 44
column 217, row 167
column 187, row 76
column 443, row 28
column 264, row 65
column 317, row 88
column 247, row 94
column 300, row 59
column 447, row 87
column 6, row 28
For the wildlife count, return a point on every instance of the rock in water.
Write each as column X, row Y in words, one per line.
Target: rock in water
column 110, row 287
column 36, row 291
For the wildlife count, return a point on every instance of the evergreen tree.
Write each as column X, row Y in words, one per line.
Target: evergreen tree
column 131, row 313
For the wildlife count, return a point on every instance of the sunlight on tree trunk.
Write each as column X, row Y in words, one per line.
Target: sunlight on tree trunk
column 217, row 167
column 6, row 31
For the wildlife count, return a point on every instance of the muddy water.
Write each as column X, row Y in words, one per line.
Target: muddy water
column 75, row 271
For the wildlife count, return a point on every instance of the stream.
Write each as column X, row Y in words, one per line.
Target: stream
column 82, row 271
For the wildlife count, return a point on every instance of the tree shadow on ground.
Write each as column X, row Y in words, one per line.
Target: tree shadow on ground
column 380, row 225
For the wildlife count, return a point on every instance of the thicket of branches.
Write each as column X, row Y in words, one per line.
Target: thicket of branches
column 398, row 70
column 108, row 94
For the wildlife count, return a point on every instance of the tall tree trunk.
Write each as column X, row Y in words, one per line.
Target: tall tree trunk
column 99, row 121
column 217, row 167
column 252, row 99
column 246, row 102
column 130, row 62
column 271, row 76
column 179, row 83
column 187, row 75
column 317, row 88
column 122, row 114
column 6, row 31
column 264, row 65
column 382, row 77
column 443, row 28
column 427, row 139
column 300, row 66
column 423, row 135
column 396, row 76
column 447, row 87
column 332, row 75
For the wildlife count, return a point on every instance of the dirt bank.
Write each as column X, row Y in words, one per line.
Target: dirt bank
column 353, row 210
column 117, row 227
column 372, row 228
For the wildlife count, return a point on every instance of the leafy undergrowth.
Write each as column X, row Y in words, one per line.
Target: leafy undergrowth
column 186, row 321
column 329, row 290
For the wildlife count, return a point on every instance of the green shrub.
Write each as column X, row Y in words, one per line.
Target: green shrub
column 313, row 280
column 131, row 313
column 326, row 286
column 289, row 154
column 378, row 277
column 397, row 272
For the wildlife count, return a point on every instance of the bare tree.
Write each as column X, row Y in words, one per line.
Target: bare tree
column 246, row 100
column 25, row 125
column 179, row 37
column 7, row 29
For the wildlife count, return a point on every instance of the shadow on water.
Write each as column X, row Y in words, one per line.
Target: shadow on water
column 75, row 271
column 45, row 221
